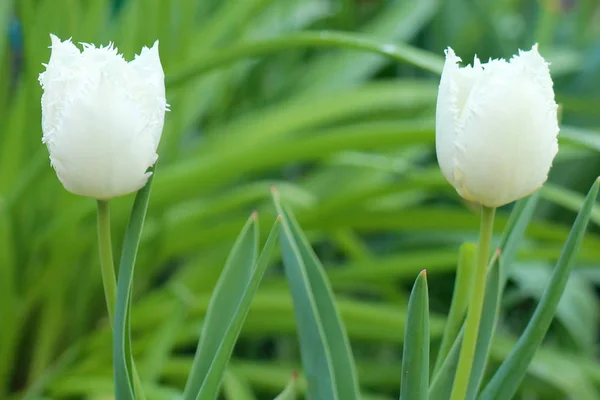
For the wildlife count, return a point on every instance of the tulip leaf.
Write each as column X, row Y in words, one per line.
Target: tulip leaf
column 324, row 347
column 228, row 309
column 460, row 300
column 289, row 393
column 236, row 387
column 122, row 357
column 507, row 378
column 397, row 51
column 513, row 233
column 415, row 356
column 440, row 388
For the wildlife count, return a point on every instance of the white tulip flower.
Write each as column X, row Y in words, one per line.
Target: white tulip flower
column 102, row 117
column 496, row 127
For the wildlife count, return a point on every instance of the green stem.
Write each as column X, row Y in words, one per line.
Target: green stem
column 107, row 266
column 467, row 351
column 109, row 279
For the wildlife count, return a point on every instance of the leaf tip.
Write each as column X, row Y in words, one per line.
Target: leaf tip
column 424, row 273
column 295, row 376
column 254, row 214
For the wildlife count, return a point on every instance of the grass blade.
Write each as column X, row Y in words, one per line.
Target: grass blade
column 506, row 380
column 415, row 357
column 326, row 355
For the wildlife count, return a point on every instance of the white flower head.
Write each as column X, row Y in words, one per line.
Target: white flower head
column 102, row 117
column 496, row 127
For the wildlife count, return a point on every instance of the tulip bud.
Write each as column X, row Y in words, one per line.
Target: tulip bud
column 496, row 127
column 102, row 117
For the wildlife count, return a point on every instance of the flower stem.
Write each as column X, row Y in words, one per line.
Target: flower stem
column 467, row 351
column 109, row 279
column 107, row 267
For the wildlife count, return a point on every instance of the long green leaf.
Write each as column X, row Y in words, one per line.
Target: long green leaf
column 506, row 380
column 513, row 234
column 326, row 355
column 415, row 356
column 122, row 358
column 442, row 383
column 460, row 300
column 487, row 326
column 236, row 387
column 234, row 277
column 396, row 51
column 289, row 393
column 210, row 386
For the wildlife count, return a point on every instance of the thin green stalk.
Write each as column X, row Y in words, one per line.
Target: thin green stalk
column 467, row 351
column 109, row 280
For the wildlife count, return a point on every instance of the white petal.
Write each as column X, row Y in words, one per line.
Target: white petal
column 507, row 140
column 455, row 87
column 150, row 91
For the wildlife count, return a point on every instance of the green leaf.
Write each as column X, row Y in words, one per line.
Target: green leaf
column 220, row 58
column 415, row 357
column 236, row 387
column 442, row 383
column 487, row 325
column 122, row 358
column 289, row 393
column 460, row 300
column 227, row 311
column 513, row 234
column 506, row 380
column 326, row 355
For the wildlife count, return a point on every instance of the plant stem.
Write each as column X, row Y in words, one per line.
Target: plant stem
column 109, row 279
column 107, row 267
column 467, row 351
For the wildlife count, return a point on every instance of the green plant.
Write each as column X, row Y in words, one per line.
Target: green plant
column 263, row 93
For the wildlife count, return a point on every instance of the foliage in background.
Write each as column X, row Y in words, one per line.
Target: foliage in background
column 346, row 135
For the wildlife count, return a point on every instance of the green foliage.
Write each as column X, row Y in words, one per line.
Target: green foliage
column 415, row 356
column 333, row 102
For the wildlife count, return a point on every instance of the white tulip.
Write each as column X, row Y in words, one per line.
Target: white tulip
column 496, row 127
column 102, row 117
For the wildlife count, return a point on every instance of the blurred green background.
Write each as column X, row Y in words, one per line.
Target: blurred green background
column 346, row 135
